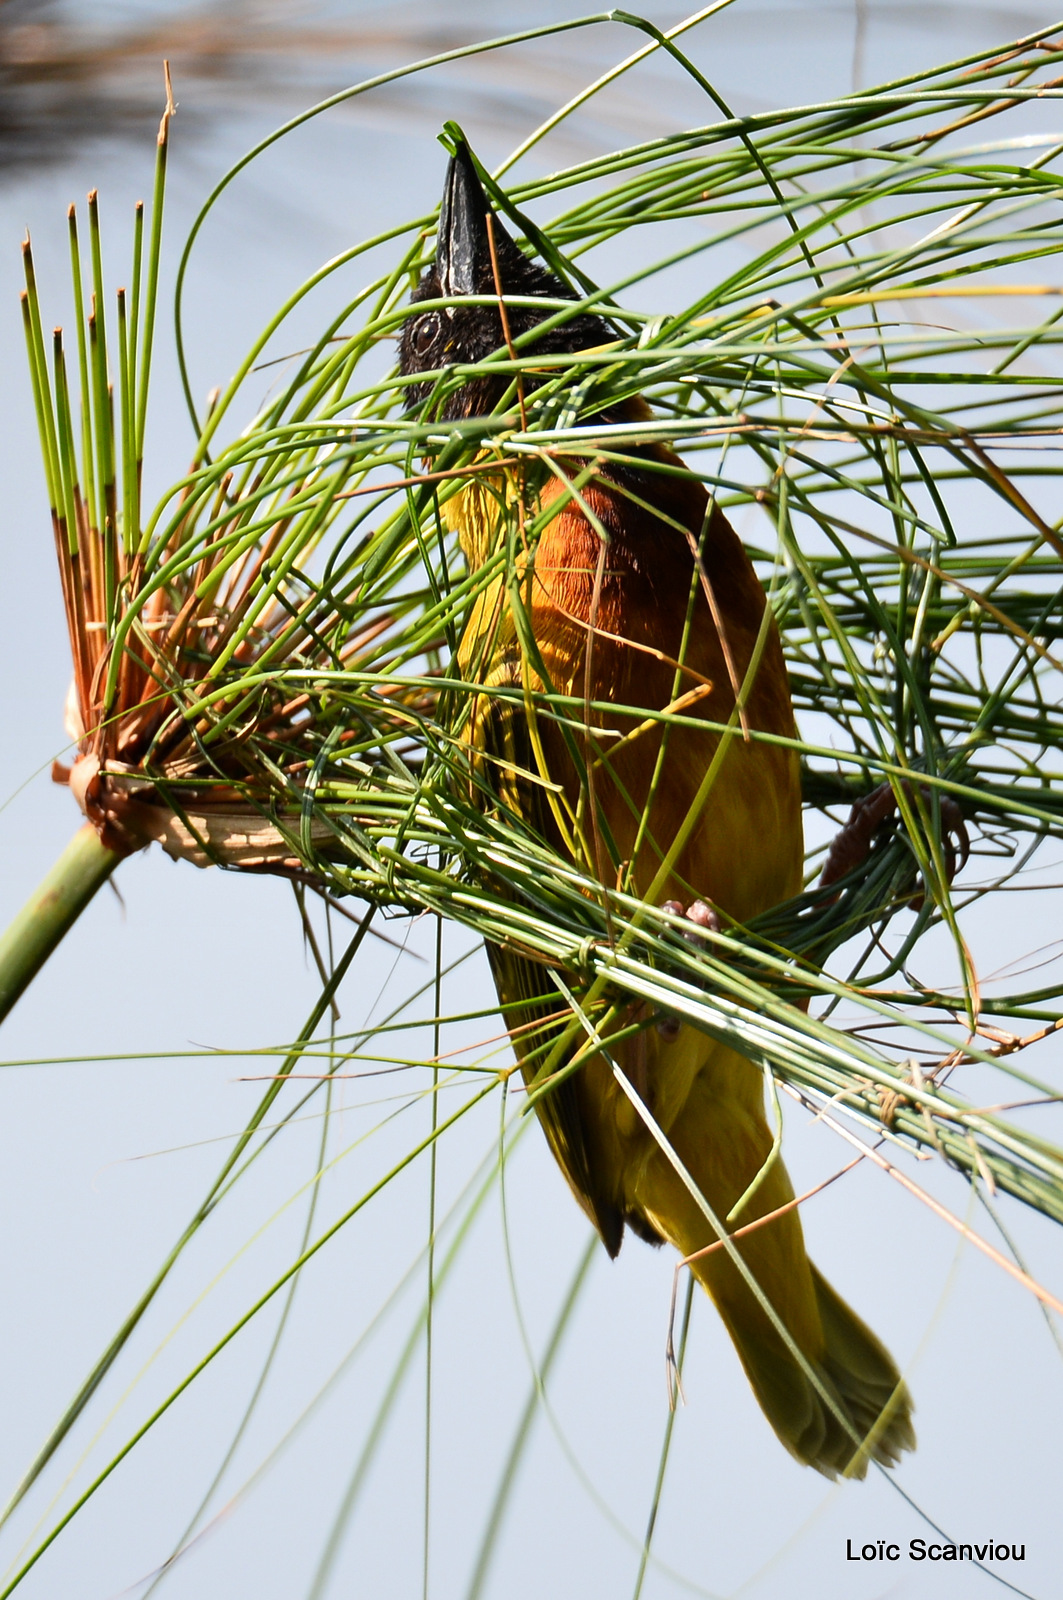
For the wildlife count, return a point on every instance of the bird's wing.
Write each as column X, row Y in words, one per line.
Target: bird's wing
column 528, row 998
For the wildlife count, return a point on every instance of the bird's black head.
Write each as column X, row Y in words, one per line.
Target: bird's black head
column 434, row 339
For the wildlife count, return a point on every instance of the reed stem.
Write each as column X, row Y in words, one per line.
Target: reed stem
column 52, row 908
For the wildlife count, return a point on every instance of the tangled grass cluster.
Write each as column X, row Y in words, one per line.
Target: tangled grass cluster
column 867, row 381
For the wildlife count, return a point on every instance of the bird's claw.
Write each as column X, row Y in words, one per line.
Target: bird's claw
column 852, row 843
column 703, row 919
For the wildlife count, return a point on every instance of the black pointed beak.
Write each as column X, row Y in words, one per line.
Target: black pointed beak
column 463, row 253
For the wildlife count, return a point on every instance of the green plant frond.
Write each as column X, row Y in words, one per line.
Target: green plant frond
column 860, row 363
column 849, row 326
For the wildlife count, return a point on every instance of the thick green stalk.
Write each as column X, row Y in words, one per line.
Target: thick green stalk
column 51, row 911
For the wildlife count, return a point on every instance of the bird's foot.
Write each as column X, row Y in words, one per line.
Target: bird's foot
column 703, row 919
column 852, row 844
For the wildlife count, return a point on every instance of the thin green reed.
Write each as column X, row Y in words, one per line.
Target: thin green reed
column 885, row 441
column 95, row 519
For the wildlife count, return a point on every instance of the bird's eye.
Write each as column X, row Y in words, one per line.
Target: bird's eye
column 424, row 336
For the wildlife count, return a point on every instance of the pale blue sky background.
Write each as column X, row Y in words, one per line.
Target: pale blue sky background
column 102, row 1162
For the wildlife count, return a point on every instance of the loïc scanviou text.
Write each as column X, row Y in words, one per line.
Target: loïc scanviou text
column 921, row 1550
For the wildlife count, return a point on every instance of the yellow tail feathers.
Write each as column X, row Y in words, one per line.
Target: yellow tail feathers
column 852, row 1410
column 844, row 1402
column 864, row 1375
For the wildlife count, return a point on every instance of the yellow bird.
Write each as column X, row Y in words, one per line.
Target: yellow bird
column 638, row 594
